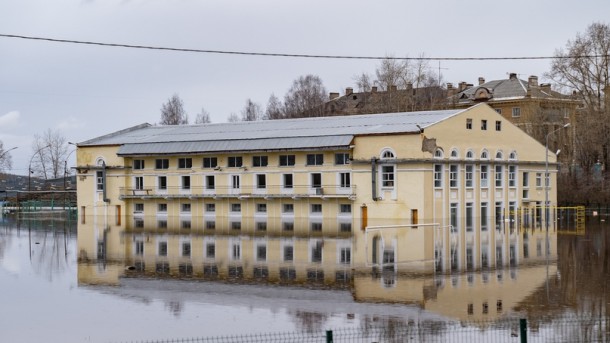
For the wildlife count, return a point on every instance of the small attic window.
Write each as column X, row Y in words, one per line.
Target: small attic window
column 438, row 153
column 499, row 155
column 512, row 156
column 454, row 153
column 484, row 155
column 387, row 154
column 469, row 155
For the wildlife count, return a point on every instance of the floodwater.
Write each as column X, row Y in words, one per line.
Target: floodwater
column 112, row 285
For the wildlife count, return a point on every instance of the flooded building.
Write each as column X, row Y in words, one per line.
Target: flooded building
column 428, row 185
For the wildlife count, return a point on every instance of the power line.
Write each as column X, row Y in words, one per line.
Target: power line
column 269, row 54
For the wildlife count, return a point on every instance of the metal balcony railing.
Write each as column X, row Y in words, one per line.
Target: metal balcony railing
column 269, row 191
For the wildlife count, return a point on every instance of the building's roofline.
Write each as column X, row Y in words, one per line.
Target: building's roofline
column 113, row 134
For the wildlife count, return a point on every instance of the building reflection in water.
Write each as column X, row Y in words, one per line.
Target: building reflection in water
column 479, row 272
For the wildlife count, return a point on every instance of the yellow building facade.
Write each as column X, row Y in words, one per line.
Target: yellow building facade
column 455, row 179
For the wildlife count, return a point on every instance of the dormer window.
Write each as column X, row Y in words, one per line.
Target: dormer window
column 454, row 153
column 512, row 156
column 387, row 154
column 484, row 155
column 499, row 155
column 438, row 153
column 469, row 155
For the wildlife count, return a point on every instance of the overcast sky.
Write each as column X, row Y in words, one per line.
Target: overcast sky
column 87, row 91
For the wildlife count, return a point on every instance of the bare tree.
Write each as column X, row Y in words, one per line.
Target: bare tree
column 584, row 68
column 203, row 117
column 6, row 162
column 173, row 113
column 233, row 118
column 364, row 82
column 305, row 98
column 252, row 111
column 274, row 108
column 49, row 150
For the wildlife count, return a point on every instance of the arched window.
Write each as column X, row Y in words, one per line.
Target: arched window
column 438, row 153
column 484, row 155
column 499, row 155
column 469, row 155
column 512, row 156
column 454, row 153
column 387, row 154
column 99, row 161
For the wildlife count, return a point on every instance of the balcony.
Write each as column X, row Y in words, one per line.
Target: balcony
column 244, row 192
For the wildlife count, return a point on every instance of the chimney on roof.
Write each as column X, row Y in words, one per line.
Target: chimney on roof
column 374, row 89
column 532, row 81
column 333, row 95
column 349, row 90
column 481, row 80
column 512, row 76
column 546, row 87
column 462, row 86
column 450, row 90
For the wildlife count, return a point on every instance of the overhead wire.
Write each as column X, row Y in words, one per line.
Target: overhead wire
column 271, row 54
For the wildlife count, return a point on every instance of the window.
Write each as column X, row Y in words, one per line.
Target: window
column 185, row 224
column 139, row 208
column 210, row 162
column 210, row 250
column 469, row 155
column 498, row 125
column 316, row 208
column 538, row 179
column 186, row 182
column 287, row 180
column 345, row 227
column 516, row 112
column 210, row 224
column 484, row 176
column 469, row 217
column 235, row 161
column 526, row 179
column 315, row 159
column 499, row 110
column 288, row 208
column 453, row 214
column 261, row 252
column 139, row 182
column 547, row 180
column 99, row 180
column 138, row 164
column 235, row 207
column 286, row 160
column 210, row 182
column 316, row 180
column 186, row 249
column 484, row 215
column 235, row 225
column 438, row 176
column 185, row 163
column 387, row 154
column 512, row 156
column 259, row 161
column 162, row 182
column 345, row 255
column 261, row 181
column 236, row 252
column 161, row 163
column 162, row 208
column 288, row 253
column 438, row 154
column 498, row 213
column 316, row 227
column 162, row 224
column 288, row 226
column 484, row 155
column 139, row 223
column 261, row 208
column 235, row 181
column 345, row 208
column 483, row 124
column 210, row 208
column 512, row 175
column 498, row 176
column 468, row 124
column 469, row 174
column 185, row 208
column 342, row 158
column 316, row 252
column 344, row 180
column 453, row 176
column 162, row 249
column 454, row 153
column 499, row 155
column 387, row 176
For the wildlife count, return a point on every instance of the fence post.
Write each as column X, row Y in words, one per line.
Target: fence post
column 329, row 336
column 523, row 330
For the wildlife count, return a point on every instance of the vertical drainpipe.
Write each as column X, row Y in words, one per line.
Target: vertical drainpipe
column 374, row 177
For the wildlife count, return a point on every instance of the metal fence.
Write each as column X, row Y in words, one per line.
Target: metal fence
column 577, row 329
